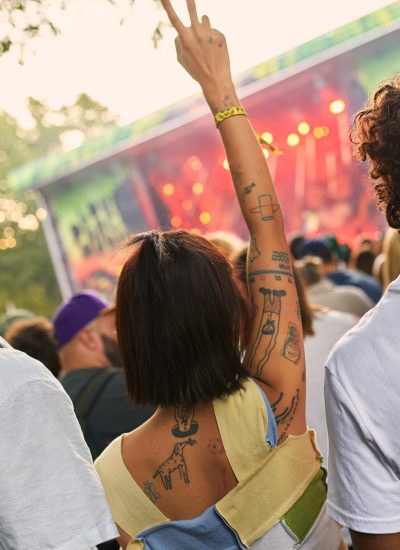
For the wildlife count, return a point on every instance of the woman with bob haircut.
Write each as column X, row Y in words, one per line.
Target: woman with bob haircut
column 217, row 466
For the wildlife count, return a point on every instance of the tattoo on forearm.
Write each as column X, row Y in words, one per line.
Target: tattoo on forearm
column 186, row 425
column 276, row 272
column 248, row 189
column 292, row 346
column 266, row 208
column 282, row 259
column 227, row 101
column 151, row 492
column 283, row 416
column 176, row 461
column 236, row 174
column 254, row 250
column 269, row 326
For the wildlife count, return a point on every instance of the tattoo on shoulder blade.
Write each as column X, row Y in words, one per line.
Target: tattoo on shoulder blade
column 292, row 346
column 186, row 425
column 269, row 326
column 151, row 492
column 215, row 446
column 266, row 208
column 176, row 461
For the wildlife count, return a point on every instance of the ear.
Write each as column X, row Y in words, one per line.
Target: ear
column 89, row 339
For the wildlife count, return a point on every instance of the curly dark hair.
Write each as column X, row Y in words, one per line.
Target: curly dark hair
column 376, row 137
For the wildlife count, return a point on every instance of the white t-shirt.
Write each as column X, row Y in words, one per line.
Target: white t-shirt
column 51, row 497
column 329, row 327
column 362, row 396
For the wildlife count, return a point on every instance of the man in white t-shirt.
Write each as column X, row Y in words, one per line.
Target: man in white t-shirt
column 51, row 497
column 362, row 385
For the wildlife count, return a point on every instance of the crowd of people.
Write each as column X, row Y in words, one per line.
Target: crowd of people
column 235, row 395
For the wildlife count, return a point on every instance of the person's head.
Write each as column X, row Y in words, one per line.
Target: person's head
column 364, row 261
column 295, row 245
column 36, row 338
column 318, row 248
column 84, row 327
column 310, row 268
column 179, row 311
column 376, row 138
column 227, row 242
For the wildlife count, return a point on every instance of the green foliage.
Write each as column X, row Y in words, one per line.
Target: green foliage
column 27, row 278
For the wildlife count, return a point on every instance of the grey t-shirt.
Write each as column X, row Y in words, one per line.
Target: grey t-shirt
column 112, row 413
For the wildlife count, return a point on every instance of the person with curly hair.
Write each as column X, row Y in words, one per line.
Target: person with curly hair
column 362, row 384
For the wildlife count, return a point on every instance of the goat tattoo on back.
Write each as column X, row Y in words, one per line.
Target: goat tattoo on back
column 174, row 462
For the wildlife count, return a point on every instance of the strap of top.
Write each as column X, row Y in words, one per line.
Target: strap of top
column 245, row 445
column 130, row 507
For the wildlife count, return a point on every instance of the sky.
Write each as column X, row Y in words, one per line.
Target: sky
column 119, row 66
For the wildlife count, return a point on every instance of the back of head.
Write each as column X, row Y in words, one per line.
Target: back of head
column 310, row 268
column 228, row 243
column 178, row 320
column 317, row 248
column 376, row 137
column 364, row 261
column 36, row 338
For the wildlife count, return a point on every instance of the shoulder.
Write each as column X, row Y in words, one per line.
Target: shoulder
column 17, row 370
column 374, row 338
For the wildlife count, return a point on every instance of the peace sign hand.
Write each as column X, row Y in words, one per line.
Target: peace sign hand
column 201, row 50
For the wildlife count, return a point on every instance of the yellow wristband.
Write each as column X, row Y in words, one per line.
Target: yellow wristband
column 227, row 113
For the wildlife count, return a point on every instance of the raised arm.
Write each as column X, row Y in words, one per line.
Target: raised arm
column 275, row 356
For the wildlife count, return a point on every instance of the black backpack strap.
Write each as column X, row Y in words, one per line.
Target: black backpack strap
column 84, row 402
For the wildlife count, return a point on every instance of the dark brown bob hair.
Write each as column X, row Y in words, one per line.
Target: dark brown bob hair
column 179, row 312
column 376, row 137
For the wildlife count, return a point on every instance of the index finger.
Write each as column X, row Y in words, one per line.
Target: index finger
column 172, row 16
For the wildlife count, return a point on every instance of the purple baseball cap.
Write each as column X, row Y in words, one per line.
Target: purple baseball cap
column 74, row 315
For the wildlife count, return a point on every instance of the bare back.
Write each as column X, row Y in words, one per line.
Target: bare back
column 181, row 465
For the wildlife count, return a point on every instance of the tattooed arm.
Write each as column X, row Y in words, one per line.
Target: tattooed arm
column 275, row 356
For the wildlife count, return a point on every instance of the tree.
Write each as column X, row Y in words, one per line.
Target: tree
column 23, row 20
column 27, row 278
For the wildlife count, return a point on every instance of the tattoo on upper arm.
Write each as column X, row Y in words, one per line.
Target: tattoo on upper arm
column 185, row 423
column 151, row 491
column 292, row 346
column 276, row 403
column 298, row 311
column 269, row 326
column 266, row 209
column 176, row 461
column 288, row 412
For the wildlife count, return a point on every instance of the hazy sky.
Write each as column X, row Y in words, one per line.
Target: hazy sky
column 119, row 66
